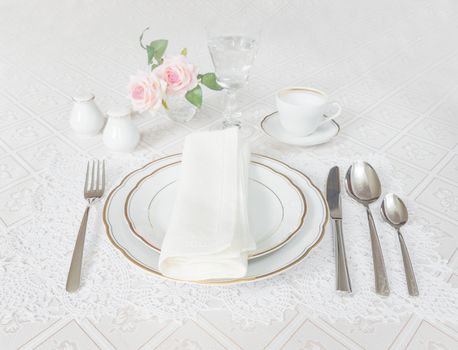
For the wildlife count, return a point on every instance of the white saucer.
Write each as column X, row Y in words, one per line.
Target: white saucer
column 272, row 127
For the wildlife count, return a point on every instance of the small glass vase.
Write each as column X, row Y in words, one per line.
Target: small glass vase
column 179, row 109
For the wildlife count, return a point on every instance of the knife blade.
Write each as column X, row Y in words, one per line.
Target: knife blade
column 333, row 193
column 335, row 208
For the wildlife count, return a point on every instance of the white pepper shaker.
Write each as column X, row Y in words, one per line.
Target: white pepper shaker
column 86, row 118
column 120, row 133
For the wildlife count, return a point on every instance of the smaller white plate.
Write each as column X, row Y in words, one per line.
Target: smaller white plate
column 276, row 206
column 271, row 126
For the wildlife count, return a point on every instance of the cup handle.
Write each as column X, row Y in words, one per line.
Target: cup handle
column 336, row 114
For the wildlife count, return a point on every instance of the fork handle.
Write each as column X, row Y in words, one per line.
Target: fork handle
column 74, row 273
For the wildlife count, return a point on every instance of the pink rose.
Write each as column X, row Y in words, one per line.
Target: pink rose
column 178, row 73
column 146, row 91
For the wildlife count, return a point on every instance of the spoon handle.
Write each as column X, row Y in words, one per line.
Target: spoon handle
column 410, row 275
column 381, row 279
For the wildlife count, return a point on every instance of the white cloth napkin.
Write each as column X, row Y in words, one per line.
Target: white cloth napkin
column 208, row 235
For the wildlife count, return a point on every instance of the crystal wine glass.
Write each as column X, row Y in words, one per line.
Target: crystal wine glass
column 233, row 48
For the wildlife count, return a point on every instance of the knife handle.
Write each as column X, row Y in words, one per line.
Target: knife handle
column 342, row 276
column 382, row 286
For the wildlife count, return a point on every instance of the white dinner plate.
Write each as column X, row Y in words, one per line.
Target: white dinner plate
column 276, row 207
column 272, row 127
column 140, row 253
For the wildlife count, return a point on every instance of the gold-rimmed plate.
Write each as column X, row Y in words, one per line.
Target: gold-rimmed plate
column 290, row 254
column 276, row 207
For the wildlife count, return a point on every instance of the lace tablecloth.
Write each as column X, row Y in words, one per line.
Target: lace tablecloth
column 392, row 67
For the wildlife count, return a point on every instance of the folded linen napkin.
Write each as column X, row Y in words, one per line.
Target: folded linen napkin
column 208, row 235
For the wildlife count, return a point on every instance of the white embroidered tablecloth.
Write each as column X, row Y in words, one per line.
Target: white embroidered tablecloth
column 393, row 65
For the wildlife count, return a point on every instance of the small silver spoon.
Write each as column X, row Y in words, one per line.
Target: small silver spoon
column 395, row 213
column 363, row 185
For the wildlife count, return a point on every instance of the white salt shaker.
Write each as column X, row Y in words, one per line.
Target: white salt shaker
column 86, row 118
column 120, row 133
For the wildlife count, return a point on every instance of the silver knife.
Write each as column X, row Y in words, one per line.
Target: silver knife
column 335, row 208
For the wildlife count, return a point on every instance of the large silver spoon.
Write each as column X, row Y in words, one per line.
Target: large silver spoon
column 395, row 213
column 363, row 185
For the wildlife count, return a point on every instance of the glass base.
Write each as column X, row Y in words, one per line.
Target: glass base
column 246, row 131
column 229, row 123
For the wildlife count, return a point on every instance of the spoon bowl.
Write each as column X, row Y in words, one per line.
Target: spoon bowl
column 362, row 183
column 394, row 211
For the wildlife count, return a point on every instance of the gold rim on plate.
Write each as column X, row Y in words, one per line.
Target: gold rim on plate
column 267, row 251
column 246, row 279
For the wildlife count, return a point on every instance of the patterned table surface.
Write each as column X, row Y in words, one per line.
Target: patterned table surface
column 393, row 65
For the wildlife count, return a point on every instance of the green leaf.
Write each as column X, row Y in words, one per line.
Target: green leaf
column 141, row 38
column 184, row 52
column 165, row 105
column 199, row 76
column 159, row 47
column 194, row 96
column 150, row 50
column 209, row 80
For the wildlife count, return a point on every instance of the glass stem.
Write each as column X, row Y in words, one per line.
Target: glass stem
column 231, row 115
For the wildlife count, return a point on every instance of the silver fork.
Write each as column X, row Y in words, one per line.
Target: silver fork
column 93, row 190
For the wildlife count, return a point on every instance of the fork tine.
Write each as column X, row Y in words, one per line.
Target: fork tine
column 93, row 176
column 86, row 182
column 103, row 175
column 98, row 176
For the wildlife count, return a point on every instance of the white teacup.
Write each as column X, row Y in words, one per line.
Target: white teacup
column 302, row 110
